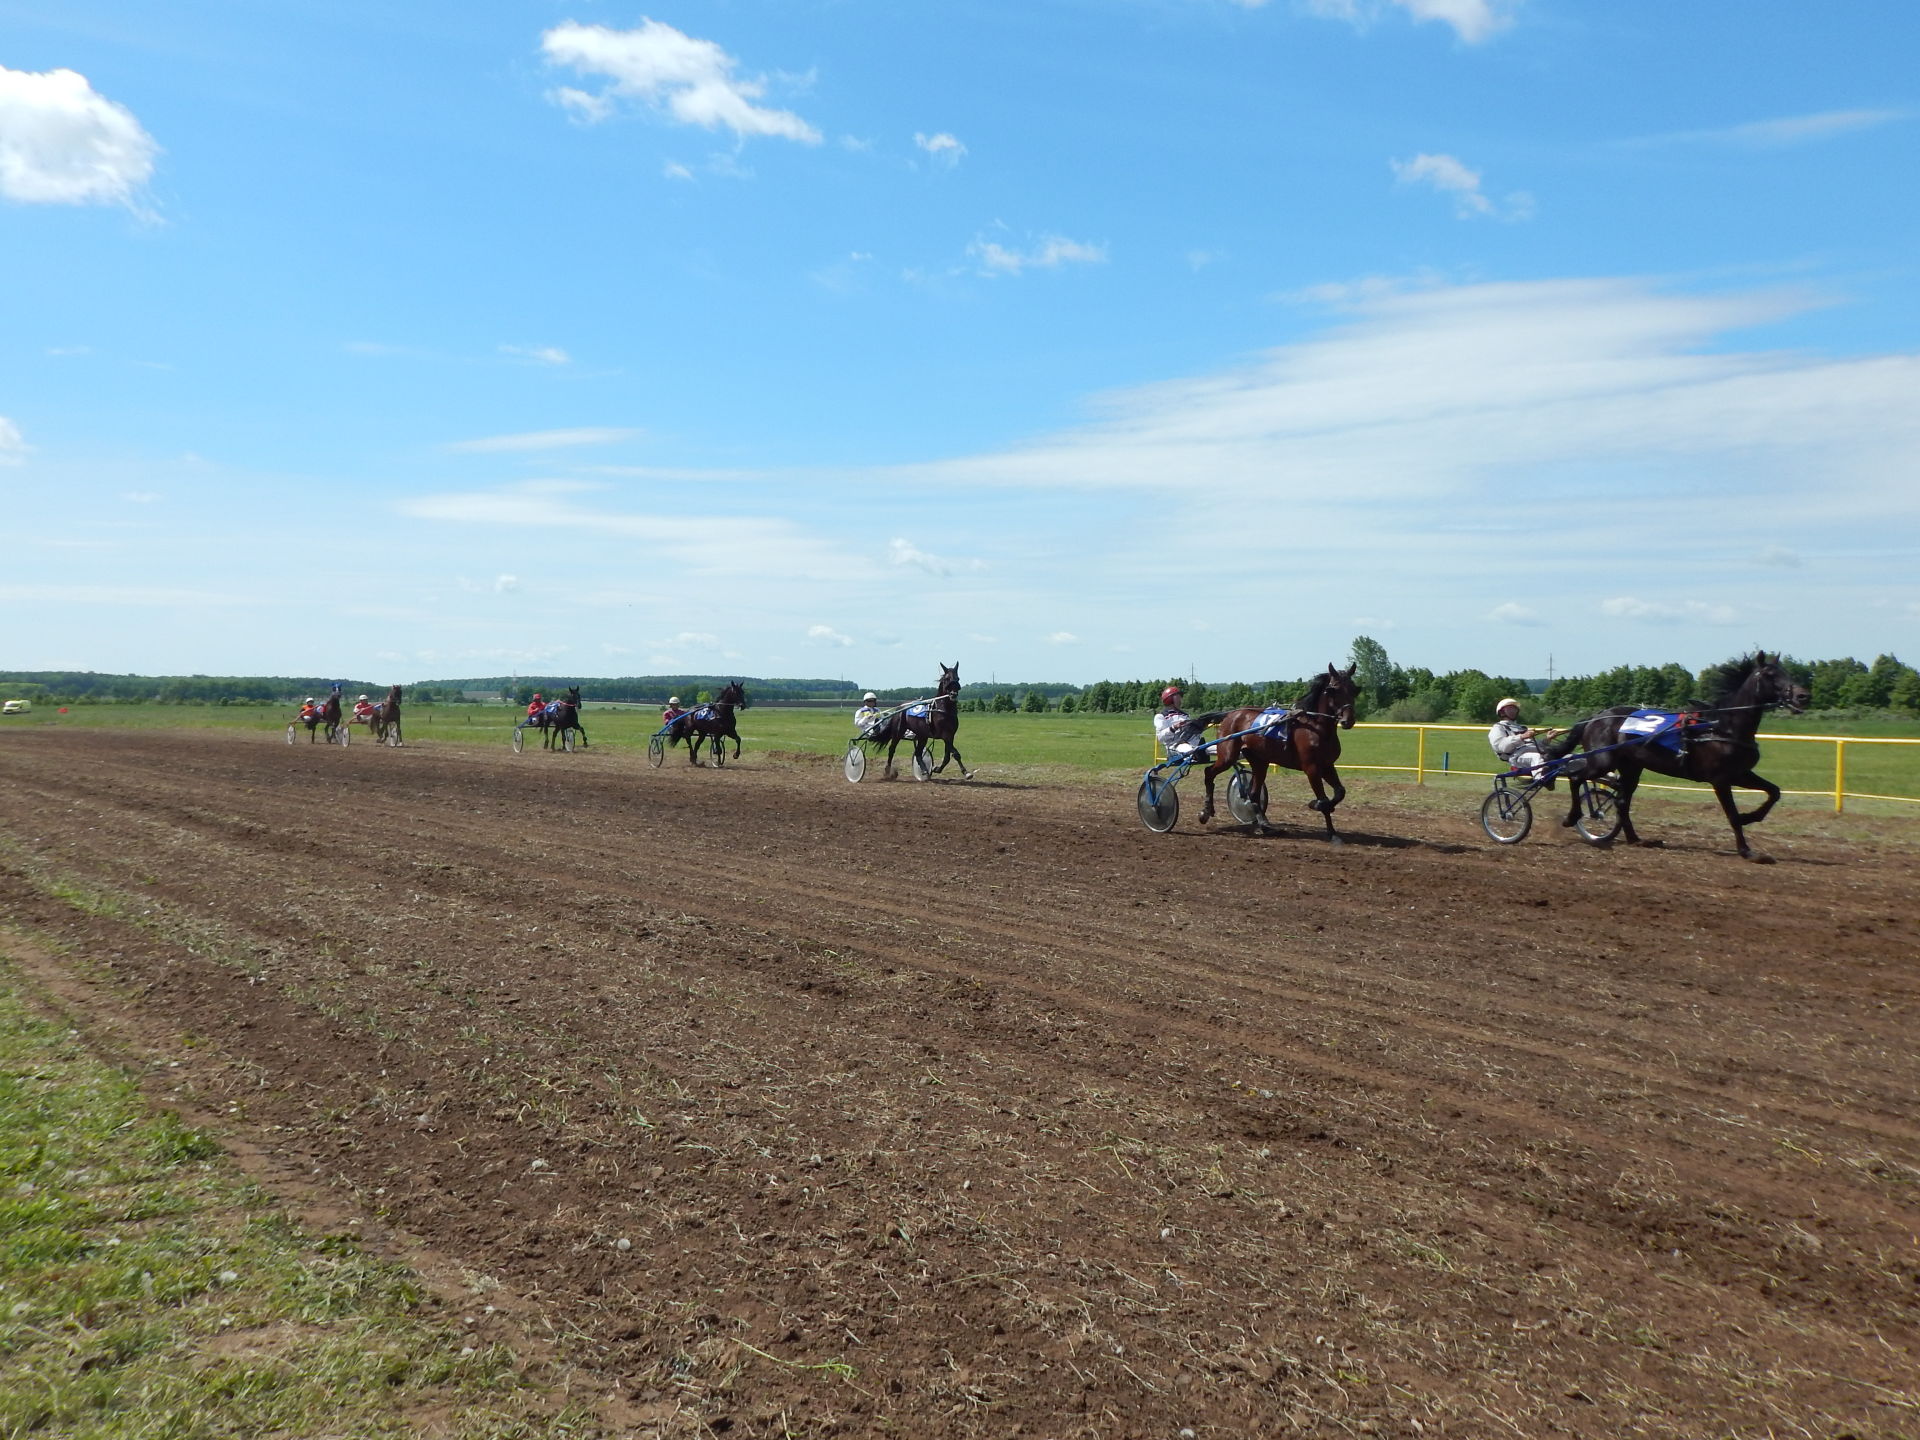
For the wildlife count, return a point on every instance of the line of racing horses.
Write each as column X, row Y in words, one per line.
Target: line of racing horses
column 1720, row 748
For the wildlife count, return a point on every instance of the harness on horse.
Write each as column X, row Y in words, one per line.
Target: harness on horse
column 1668, row 729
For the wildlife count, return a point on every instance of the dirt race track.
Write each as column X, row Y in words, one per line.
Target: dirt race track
column 977, row 1110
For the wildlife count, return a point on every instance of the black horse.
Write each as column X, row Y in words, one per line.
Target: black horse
column 562, row 716
column 1309, row 742
column 329, row 718
column 1717, row 750
column 922, row 723
column 385, row 720
column 712, row 722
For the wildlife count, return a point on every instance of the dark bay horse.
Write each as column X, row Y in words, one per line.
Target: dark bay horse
column 712, row 722
column 1311, row 745
column 329, row 717
column 385, row 720
column 1719, row 751
column 560, row 717
column 939, row 719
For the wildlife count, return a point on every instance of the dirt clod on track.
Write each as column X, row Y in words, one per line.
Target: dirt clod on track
column 948, row 1110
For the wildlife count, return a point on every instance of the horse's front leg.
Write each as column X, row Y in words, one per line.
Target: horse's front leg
column 1747, row 780
column 1322, row 781
column 1723, row 791
column 953, row 754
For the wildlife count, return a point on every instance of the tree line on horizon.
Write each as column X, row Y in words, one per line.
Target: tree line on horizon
column 1388, row 690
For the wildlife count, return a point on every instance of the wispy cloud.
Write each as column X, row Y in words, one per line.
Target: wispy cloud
column 942, row 147
column 63, row 143
column 1472, row 20
column 688, row 80
column 539, row 354
column 544, row 440
column 1513, row 613
column 1049, row 252
column 905, row 552
column 1063, row 637
column 1669, row 612
column 827, row 635
column 13, row 445
column 1782, row 132
column 1447, row 175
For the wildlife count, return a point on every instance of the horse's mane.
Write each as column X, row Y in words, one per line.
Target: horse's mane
column 1735, row 674
column 1315, row 692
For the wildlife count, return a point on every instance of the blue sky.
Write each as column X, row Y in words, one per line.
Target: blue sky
column 1067, row 340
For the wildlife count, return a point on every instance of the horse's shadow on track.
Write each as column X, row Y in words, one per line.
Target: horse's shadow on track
column 1302, row 836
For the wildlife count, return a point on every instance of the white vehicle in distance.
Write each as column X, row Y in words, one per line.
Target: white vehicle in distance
column 17, row 707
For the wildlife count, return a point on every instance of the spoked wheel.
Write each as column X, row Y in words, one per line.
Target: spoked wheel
column 1599, row 818
column 1506, row 815
column 657, row 751
column 344, row 735
column 1159, row 804
column 922, row 765
column 566, row 741
column 393, row 735
column 1242, row 803
column 293, row 732
column 717, row 756
column 855, row 764
column 519, row 740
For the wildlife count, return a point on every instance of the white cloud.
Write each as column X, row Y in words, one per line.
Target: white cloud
column 905, row 552
column 1779, row 557
column 505, row 584
column 1447, row 175
column 1513, row 613
column 1063, row 637
column 1784, row 131
column 61, row 143
column 689, row 640
column 942, row 147
column 1472, row 20
column 827, row 635
column 674, row 170
column 539, row 354
column 771, row 547
column 544, row 440
column 67, row 351
column 1669, row 612
column 691, row 81
column 1048, row 253
column 141, row 497
column 13, row 445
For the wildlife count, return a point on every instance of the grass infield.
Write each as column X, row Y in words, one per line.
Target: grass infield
column 147, row 1289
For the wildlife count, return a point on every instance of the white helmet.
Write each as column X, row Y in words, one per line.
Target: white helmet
column 673, row 699
column 1506, row 702
column 308, row 701
column 871, row 696
column 363, row 697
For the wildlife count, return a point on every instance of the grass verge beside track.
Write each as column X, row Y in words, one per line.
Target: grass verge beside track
column 148, row 1289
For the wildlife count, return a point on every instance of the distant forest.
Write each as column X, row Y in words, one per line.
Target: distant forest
column 1389, row 691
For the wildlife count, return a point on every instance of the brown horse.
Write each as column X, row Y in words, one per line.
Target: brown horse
column 1719, row 750
column 1308, row 740
column 385, row 720
column 937, row 719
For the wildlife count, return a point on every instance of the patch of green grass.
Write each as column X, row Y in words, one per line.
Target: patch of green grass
column 147, row 1290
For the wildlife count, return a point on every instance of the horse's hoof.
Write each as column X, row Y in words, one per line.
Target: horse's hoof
column 1759, row 857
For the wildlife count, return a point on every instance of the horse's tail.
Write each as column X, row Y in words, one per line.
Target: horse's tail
column 1575, row 737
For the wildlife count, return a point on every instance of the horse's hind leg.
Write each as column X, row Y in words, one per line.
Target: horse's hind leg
column 1220, row 762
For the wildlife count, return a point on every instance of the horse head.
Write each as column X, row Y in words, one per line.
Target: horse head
column 573, row 696
column 1341, row 692
column 949, row 679
column 1774, row 686
column 733, row 693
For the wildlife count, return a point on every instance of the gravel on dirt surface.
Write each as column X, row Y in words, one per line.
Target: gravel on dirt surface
column 790, row 1107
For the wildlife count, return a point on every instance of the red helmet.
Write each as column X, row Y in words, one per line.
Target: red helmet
column 1170, row 694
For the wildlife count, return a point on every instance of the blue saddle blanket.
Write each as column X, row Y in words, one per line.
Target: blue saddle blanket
column 1274, row 722
column 917, row 712
column 703, row 712
column 1653, row 727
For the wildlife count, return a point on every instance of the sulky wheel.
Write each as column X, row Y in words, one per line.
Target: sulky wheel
column 345, row 735
column 657, row 751
column 393, row 735
column 566, row 741
column 519, row 741
column 1242, row 803
column 293, row 730
column 717, row 756
column 922, row 765
column 1159, row 804
column 1599, row 818
column 854, row 766
column 1506, row 815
